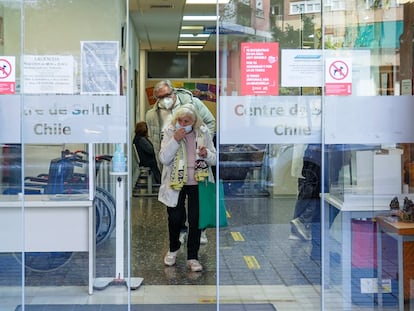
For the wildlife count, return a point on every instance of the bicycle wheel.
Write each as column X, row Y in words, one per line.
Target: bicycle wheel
column 105, row 215
column 44, row 261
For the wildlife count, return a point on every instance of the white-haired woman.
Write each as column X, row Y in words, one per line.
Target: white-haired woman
column 187, row 154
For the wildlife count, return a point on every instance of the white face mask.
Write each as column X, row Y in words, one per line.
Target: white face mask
column 186, row 128
column 167, row 102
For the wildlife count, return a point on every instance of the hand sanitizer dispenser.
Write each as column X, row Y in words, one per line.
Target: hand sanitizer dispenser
column 119, row 160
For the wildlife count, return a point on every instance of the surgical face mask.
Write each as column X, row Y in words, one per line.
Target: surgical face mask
column 186, row 128
column 167, row 102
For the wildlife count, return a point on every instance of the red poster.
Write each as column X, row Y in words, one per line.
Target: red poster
column 260, row 68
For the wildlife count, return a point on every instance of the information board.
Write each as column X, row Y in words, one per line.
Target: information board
column 259, row 68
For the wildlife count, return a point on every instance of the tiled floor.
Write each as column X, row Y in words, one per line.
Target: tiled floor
column 257, row 263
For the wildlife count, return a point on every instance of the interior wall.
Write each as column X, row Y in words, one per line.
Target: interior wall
column 67, row 19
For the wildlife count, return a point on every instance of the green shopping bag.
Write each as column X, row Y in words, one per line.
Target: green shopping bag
column 207, row 204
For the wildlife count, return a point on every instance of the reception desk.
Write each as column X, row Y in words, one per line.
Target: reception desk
column 48, row 223
column 353, row 207
column 403, row 233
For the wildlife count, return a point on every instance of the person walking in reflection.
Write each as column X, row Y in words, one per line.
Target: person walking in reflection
column 307, row 208
column 146, row 151
column 306, row 222
column 187, row 154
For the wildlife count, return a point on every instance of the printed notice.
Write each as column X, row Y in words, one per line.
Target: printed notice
column 302, row 68
column 260, row 68
column 406, row 87
column 100, row 67
column 48, row 74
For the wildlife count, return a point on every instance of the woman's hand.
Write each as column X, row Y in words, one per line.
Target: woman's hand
column 179, row 134
column 202, row 152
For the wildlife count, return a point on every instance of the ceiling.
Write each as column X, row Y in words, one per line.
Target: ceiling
column 158, row 23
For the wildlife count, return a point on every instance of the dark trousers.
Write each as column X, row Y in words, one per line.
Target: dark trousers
column 308, row 204
column 307, row 207
column 156, row 174
column 175, row 217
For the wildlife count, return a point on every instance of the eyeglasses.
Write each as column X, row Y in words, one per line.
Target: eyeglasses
column 165, row 95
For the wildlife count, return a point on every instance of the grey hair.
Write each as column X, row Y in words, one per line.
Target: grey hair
column 187, row 110
column 160, row 85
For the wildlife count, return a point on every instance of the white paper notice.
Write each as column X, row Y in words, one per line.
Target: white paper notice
column 100, row 67
column 302, row 68
column 48, row 74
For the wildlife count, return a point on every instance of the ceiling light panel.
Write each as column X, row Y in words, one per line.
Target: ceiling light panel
column 200, row 18
column 190, row 47
column 190, row 35
column 195, row 28
column 191, row 42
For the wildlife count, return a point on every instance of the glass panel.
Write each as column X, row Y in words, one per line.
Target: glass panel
column 69, row 120
column 270, row 155
column 367, row 167
column 11, row 154
column 173, row 219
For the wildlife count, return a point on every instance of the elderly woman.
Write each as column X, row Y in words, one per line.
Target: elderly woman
column 187, row 154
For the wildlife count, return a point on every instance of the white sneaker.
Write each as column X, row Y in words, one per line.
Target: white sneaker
column 301, row 229
column 183, row 236
column 203, row 237
column 293, row 236
column 194, row 265
column 170, row 258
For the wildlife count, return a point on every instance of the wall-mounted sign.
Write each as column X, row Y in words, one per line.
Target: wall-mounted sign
column 48, row 74
column 406, row 87
column 100, row 73
column 301, row 68
column 7, row 74
column 338, row 76
column 259, row 68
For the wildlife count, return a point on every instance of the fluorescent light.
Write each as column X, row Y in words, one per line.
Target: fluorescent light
column 200, row 18
column 191, row 42
column 190, row 46
column 199, row 28
column 190, row 35
column 207, row 1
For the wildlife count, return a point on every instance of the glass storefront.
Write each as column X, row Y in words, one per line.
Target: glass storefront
column 325, row 94
column 313, row 103
column 63, row 111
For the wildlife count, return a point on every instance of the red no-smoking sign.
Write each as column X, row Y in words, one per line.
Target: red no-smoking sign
column 5, row 69
column 7, row 75
column 338, row 76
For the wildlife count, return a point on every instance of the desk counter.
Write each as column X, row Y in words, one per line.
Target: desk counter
column 52, row 223
column 403, row 233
